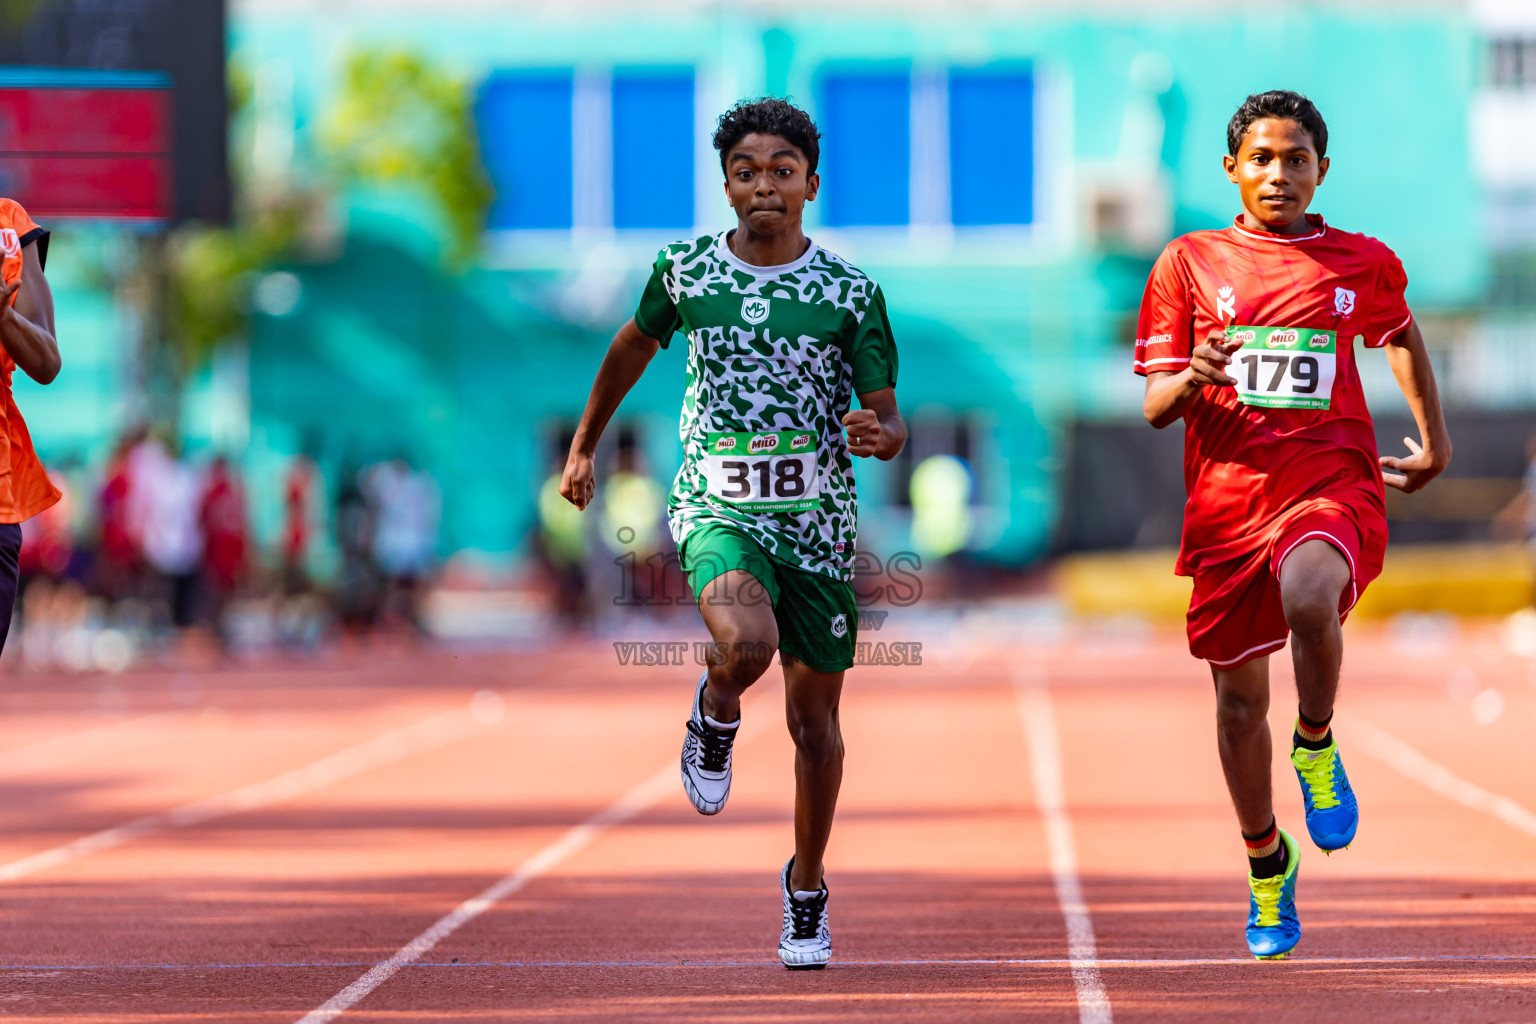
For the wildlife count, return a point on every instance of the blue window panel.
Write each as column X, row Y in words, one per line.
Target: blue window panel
column 992, row 146
column 525, row 143
column 865, row 119
column 653, row 148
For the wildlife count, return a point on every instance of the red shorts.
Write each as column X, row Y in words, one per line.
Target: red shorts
column 1235, row 614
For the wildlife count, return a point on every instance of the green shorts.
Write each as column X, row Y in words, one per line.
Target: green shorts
column 817, row 617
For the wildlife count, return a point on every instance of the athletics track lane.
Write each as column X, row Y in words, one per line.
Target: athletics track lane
column 938, row 853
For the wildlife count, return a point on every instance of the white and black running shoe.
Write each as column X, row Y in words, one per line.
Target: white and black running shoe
column 707, row 757
column 806, row 942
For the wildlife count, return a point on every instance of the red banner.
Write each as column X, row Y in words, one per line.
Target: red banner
column 54, row 120
column 130, row 188
column 87, row 152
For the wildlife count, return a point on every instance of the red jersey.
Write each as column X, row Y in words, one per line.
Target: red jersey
column 25, row 489
column 222, row 517
column 296, row 502
column 1296, row 435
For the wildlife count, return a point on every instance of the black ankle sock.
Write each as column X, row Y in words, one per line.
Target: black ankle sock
column 1313, row 742
column 1270, row 863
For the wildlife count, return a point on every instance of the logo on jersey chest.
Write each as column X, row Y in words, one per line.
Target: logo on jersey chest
column 754, row 309
column 1343, row 301
column 10, row 242
column 1226, row 302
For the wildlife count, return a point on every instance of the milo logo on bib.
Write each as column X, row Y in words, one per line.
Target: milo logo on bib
column 1284, row 367
column 762, row 443
column 726, row 443
column 800, row 441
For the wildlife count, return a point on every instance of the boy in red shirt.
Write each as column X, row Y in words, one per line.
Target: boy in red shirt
column 1247, row 333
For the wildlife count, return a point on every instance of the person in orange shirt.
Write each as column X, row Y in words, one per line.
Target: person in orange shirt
column 27, row 340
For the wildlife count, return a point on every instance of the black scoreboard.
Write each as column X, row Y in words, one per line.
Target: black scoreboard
column 116, row 110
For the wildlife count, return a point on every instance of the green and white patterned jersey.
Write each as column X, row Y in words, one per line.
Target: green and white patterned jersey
column 775, row 355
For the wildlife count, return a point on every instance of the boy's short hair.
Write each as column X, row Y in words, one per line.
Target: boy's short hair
column 768, row 116
column 1282, row 104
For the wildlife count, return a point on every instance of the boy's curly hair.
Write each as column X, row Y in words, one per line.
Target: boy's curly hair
column 768, row 116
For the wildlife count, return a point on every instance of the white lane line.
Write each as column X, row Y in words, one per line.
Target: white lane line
column 1043, row 740
column 637, row 800
column 387, row 748
column 56, row 751
column 1435, row 777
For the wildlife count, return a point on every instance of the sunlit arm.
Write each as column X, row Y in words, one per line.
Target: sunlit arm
column 628, row 356
column 876, row 428
column 1415, row 375
column 26, row 326
column 1169, row 396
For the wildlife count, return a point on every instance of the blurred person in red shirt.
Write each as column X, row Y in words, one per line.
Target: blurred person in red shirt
column 47, row 543
column 226, row 537
column 119, row 561
column 301, row 485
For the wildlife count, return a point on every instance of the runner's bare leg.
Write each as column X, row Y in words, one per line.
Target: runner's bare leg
column 1312, row 581
column 1242, row 737
column 811, row 706
column 740, row 619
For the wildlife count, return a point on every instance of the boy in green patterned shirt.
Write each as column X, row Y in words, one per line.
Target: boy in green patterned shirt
column 781, row 335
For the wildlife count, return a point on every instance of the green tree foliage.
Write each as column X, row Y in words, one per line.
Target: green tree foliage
column 396, row 121
column 400, row 121
column 211, row 272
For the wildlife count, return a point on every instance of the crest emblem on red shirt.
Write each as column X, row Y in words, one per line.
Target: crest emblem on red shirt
column 1343, row 301
column 10, row 242
column 1226, row 301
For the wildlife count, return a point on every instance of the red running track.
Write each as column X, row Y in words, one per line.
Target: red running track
column 275, row 886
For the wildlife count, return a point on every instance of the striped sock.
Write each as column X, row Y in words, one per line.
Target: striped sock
column 1312, row 735
column 1266, row 853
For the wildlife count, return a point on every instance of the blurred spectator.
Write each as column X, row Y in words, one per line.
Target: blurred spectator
column 633, row 505
column 165, row 501
column 633, row 510
column 941, row 506
column 226, row 540
column 406, row 513
column 46, row 594
column 47, row 543
column 301, row 501
column 562, row 547
column 118, row 561
column 358, row 587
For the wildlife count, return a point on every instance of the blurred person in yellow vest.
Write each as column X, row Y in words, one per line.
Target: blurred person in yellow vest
column 940, row 491
column 562, row 547
column 633, row 507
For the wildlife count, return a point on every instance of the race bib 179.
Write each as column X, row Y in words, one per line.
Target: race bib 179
column 771, row 471
column 1284, row 367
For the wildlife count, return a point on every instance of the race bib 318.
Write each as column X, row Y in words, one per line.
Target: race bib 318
column 770, row 471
